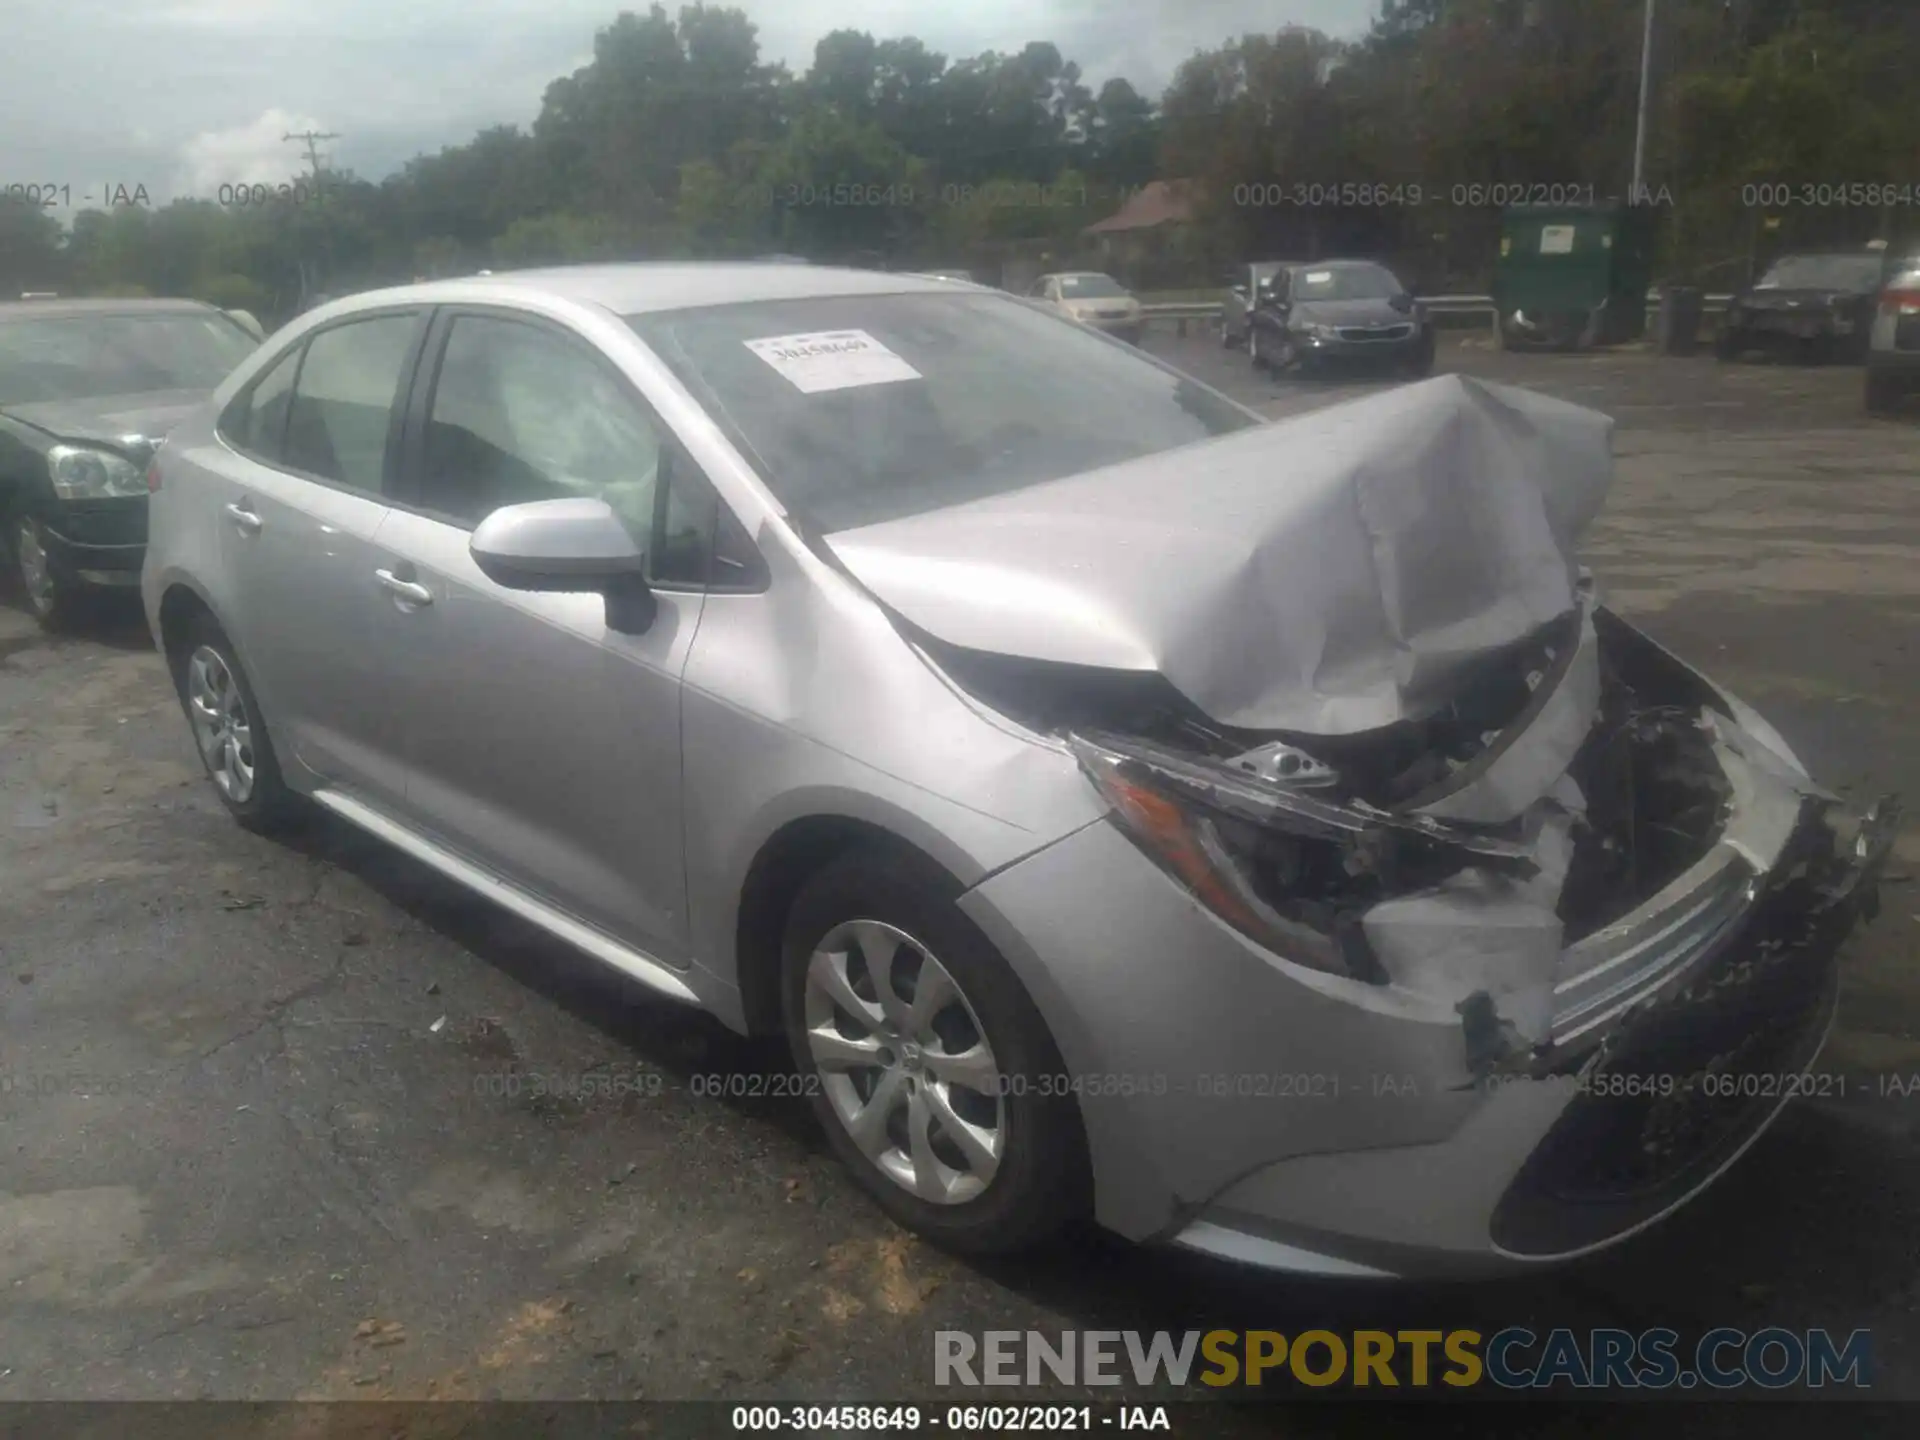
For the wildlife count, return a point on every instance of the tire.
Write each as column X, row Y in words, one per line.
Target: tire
column 1421, row 364
column 865, row 902
column 52, row 596
column 1255, row 357
column 1882, row 392
column 1726, row 347
column 214, row 693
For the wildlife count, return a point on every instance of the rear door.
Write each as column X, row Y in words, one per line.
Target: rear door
column 542, row 744
column 312, row 449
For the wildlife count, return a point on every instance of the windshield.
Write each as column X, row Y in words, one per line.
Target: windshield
column 79, row 357
column 1345, row 282
column 1823, row 272
column 862, row 408
column 1089, row 287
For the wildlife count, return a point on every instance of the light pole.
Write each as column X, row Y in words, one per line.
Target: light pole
column 1646, row 104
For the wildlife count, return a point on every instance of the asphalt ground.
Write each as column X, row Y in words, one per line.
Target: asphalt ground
column 271, row 1131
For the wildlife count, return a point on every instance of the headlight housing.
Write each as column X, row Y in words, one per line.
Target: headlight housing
column 80, row 472
column 1292, row 870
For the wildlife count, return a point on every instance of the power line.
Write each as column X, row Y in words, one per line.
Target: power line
column 312, row 139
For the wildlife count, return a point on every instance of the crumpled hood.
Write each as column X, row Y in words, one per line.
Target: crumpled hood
column 1327, row 574
column 119, row 420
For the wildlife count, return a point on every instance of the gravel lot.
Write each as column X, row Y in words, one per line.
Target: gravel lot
column 261, row 1140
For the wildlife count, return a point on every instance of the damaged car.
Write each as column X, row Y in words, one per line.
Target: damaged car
column 1257, row 837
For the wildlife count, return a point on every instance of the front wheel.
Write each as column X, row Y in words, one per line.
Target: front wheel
column 230, row 734
column 927, row 1064
column 52, row 595
column 1726, row 346
column 1420, row 363
column 1256, row 356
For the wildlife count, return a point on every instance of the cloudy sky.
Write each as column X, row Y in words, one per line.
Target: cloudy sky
column 182, row 96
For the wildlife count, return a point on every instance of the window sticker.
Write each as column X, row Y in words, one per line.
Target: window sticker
column 832, row 360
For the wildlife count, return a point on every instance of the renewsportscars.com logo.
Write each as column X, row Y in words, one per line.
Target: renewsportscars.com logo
column 1515, row 1358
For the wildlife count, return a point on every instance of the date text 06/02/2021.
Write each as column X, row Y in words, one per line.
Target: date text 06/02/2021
column 951, row 1419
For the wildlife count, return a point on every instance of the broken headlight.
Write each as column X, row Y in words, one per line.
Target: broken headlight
column 1293, row 869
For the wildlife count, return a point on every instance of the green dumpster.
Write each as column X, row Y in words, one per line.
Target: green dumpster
column 1573, row 276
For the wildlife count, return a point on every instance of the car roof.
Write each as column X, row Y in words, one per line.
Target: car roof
column 650, row 286
column 41, row 309
column 1331, row 264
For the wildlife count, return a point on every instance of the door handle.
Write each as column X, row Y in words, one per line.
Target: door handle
column 244, row 519
column 411, row 591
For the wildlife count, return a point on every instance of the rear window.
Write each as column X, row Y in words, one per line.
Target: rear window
column 1090, row 287
column 96, row 353
column 1823, row 272
column 859, row 409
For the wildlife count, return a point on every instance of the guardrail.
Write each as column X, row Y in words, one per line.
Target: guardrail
column 1183, row 314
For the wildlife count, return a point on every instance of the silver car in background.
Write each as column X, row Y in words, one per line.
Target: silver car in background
column 1095, row 300
column 1255, row 836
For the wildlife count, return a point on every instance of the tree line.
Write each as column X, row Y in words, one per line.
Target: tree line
column 1774, row 123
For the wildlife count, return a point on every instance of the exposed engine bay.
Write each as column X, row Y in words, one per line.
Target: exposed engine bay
column 1478, row 857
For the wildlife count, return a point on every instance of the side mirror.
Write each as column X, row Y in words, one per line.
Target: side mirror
column 572, row 546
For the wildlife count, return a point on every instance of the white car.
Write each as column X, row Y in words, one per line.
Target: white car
column 1093, row 299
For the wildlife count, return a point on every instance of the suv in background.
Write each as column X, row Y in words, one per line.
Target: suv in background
column 1893, row 347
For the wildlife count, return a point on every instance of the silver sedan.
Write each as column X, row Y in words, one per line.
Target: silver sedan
column 1257, row 837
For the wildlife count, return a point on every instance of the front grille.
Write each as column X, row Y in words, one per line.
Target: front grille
column 1680, row 1089
column 1376, row 332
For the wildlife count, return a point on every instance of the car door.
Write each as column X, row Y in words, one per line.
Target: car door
column 544, row 745
column 312, row 448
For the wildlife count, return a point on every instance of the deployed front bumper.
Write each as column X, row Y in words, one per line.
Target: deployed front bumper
column 1246, row 1106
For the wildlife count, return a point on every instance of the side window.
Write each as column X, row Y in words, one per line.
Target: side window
column 521, row 414
column 256, row 422
column 343, row 400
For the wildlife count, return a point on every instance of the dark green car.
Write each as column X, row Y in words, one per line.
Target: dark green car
column 88, row 389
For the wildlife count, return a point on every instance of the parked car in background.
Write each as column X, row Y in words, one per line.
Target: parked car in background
column 1102, row 790
column 1093, row 299
column 1311, row 316
column 1243, row 289
column 1815, row 306
column 1893, row 350
column 88, row 389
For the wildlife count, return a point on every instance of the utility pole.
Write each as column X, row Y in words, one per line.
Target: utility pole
column 312, row 138
column 1646, row 106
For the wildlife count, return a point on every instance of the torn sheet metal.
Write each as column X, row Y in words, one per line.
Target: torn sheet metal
column 1482, row 934
column 1327, row 574
column 1536, row 749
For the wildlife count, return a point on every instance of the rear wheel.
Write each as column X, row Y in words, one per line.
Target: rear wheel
column 1883, row 392
column 927, row 1064
column 52, row 595
column 1726, row 346
column 230, row 733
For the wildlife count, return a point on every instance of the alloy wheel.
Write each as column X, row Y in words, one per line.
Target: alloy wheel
column 36, row 571
column 904, row 1062
column 221, row 723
